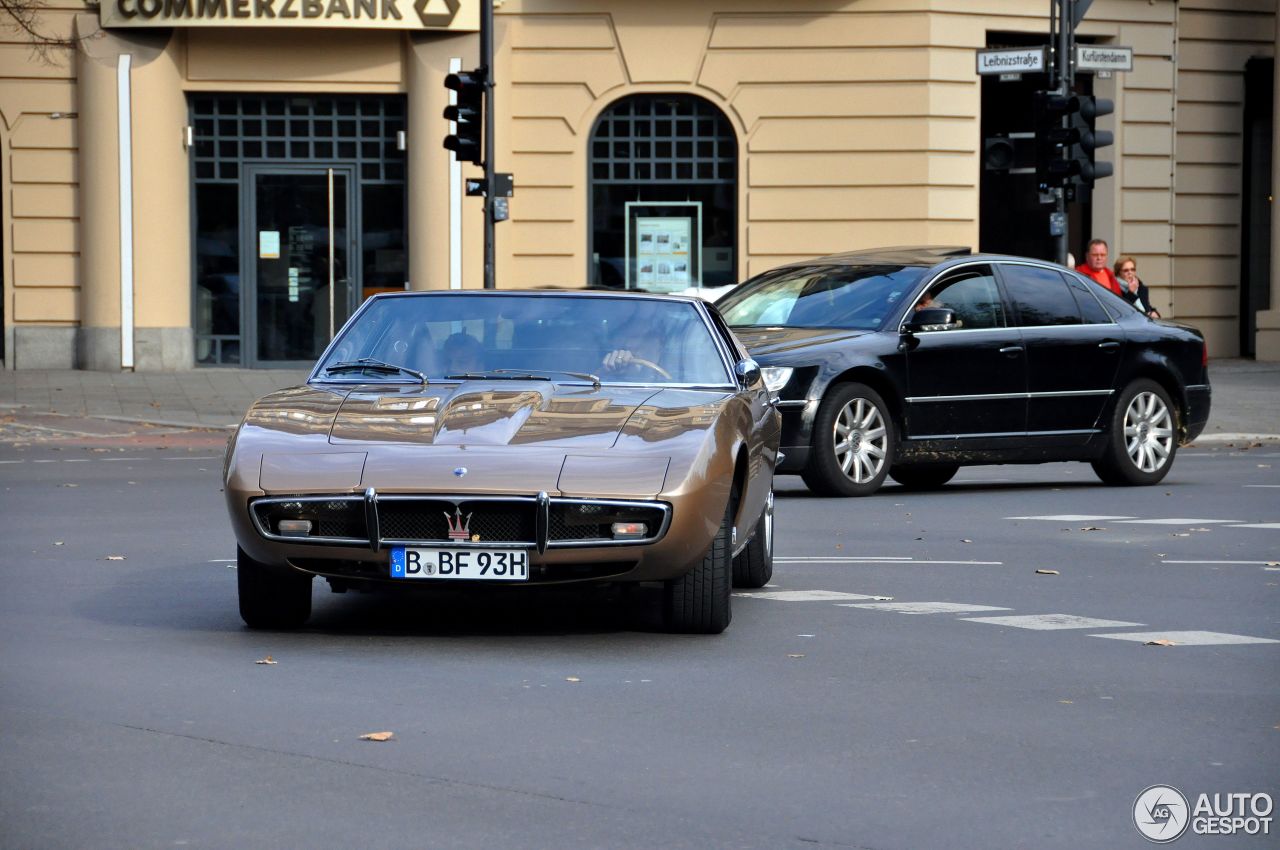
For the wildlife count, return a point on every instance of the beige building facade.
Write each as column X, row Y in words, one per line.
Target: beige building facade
column 219, row 182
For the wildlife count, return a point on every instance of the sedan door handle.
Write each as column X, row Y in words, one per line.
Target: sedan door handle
column 1109, row 345
column 1011, row 350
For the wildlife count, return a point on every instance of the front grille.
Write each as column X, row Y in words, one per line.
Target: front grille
column 429, row 519
column 344, row 520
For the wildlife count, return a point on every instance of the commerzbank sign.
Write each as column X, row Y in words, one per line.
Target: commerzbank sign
column 461, row 15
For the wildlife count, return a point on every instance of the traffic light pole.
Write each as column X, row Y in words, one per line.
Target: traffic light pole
column 486, row 63
column 1066, row 83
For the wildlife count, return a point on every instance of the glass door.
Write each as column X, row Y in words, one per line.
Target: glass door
column 300, row 272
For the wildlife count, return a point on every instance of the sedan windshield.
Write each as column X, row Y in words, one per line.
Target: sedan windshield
column 526, row 336
column 861, row 297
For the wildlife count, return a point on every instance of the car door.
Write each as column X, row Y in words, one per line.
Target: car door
column 967, row 381
column 1071, row 362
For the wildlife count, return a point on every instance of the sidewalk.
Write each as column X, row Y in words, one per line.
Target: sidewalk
column 1246, row 396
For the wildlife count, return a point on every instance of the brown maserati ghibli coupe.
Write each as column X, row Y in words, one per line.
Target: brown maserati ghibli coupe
column 511, row 438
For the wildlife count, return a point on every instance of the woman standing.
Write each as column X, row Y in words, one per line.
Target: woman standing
column 1132, row 289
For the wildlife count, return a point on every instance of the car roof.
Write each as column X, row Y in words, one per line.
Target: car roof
column 918, row 255
column 546, row 292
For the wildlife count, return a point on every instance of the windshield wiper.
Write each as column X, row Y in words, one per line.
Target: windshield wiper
column 522, row 375
column 582, row 376
column 368, row 364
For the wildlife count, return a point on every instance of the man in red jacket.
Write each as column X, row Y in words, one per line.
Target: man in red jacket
column 1096, row 266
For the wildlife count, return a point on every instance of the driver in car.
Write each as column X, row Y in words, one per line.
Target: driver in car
column 637, row 352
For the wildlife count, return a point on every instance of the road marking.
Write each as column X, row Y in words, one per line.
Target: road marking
column 1188, row 638
column 1046, row 622
column 55, row 460
column 911, row 561
column 109, row 459
column 1262, row 485
column 1257, row 525
column 841, row 558
column 1176, row 521
column 1072, row 518
column 223, row 561
column 1249, row 563
column 194, row 457
column 806, row 596
column 923, row 607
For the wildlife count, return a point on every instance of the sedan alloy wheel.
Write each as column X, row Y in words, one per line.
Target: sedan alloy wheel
column 853, row 443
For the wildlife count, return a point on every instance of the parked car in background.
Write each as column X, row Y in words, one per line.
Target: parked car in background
column 449, row 438
column 912, row 362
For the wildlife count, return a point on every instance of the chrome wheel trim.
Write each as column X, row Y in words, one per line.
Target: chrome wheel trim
column 1148, row 432
column 768, row 526
column 861, row 440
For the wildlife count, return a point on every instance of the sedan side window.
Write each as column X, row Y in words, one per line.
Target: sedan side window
column 971, row 294
column 1090, row 309
column 1040, row 296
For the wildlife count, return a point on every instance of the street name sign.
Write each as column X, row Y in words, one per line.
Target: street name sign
column 1018, row 60
column 1090, row 57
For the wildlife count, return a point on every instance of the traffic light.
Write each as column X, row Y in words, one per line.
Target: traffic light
column 467, row 114
column 1085, row 139
column 1049, row 111
column 1066, row 139
column 998, row 153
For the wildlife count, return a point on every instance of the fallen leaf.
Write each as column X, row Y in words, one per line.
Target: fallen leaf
column 267, row 660
column 1093, row 528
column 377, row 736
column 572, row 679
column 70, row 485
column 115, row 557
column 1160, row 642
column 1264, row 466
column 965, row 540
column 795, row 655
column 1047, row 572
column 1199, row 529
column 1181, row 534
column 1067, row 701
column 58, row 543
column 839, row 545
column 883, row 598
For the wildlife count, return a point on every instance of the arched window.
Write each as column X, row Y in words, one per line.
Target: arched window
column 664, row 195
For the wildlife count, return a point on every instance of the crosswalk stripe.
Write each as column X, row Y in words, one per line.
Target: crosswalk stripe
column 1189, row 638
column 1046, row 622
column 806, row 596
column 922, row 607
column 1175, row 521
column 1073, row 518
column 903, row 561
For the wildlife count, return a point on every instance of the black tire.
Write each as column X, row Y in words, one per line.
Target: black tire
column 271, row 599
column 867, row 450
column 754, row 565
column 698, row 601
column 1143, row 438
column 923, row 477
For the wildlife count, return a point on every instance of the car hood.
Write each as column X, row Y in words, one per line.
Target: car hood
column 763, row 342
column 488, row 413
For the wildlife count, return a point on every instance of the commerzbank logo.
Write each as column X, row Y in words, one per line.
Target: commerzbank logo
column 1162, row 814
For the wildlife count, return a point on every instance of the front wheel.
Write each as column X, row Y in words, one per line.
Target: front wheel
column 923, row 477
column 1143, row 439
column 270, row 599
column 754, row 565
column 698, row 601
column 853, row 443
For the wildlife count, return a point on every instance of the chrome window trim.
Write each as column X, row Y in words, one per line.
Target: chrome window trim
column 1057, row 268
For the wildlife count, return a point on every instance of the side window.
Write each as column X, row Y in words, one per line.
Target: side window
column 1090, row 309
column 972, row 295
column 1040, row 296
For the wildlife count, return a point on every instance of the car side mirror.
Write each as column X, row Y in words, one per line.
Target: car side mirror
column 931, row 319
column 747, row 372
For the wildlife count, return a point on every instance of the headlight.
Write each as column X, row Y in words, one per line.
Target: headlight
column 776, row 377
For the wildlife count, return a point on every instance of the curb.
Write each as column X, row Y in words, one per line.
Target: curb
column 1219, row 439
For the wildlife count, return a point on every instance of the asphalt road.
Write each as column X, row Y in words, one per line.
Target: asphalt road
column 832, row 713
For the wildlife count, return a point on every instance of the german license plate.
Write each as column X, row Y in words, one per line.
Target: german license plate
column 473, row 564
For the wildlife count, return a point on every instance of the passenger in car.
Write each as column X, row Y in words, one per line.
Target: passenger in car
column 462, row 353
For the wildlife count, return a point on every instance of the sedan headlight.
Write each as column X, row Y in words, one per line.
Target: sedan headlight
column 776, row 377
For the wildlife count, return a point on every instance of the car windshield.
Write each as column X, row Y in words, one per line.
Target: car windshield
column 861, row 297
column 526, row 336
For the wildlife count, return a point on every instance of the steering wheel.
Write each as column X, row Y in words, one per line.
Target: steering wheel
column 649, row 364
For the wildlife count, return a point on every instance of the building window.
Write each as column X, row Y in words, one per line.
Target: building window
column 664, row 178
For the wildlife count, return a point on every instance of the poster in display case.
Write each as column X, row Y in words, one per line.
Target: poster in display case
column 664, row 246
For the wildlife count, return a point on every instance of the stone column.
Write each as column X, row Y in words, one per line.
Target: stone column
column 1267, row 338
column 428, row 212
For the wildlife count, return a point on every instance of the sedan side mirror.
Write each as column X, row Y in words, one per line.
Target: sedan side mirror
column 747, row 372
column 931, row 319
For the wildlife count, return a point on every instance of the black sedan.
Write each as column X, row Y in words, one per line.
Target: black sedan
column 912, row 362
